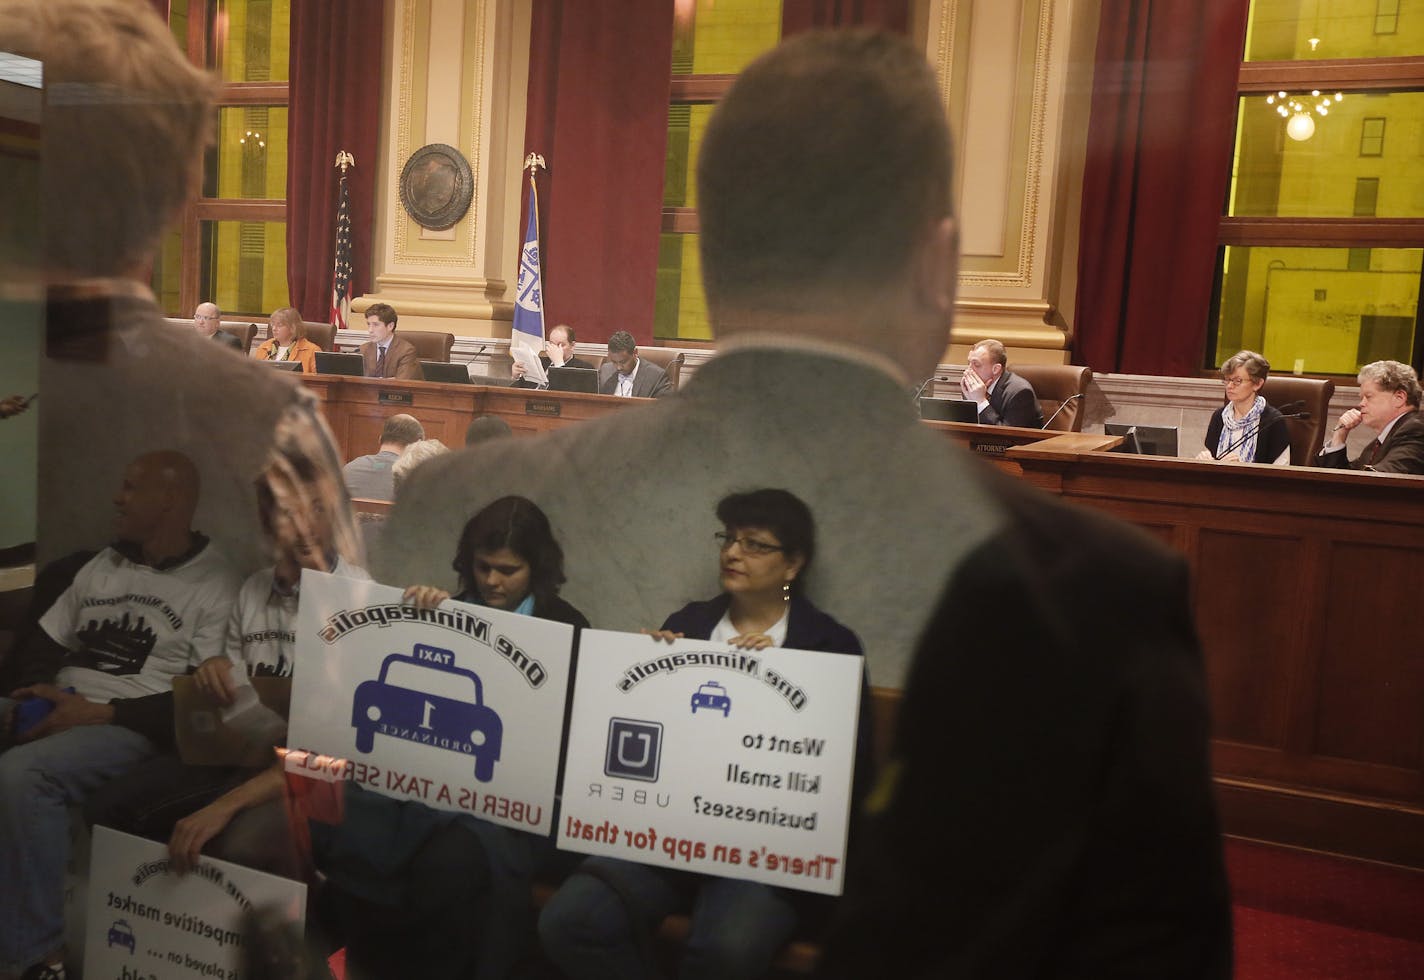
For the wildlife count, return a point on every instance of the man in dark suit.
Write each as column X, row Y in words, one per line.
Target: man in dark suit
column 207, row 319
column 1074, row 829
column 627, row 375
column 385, row 355
column 561, row 339
column 1003, row 397
column 1389, row 404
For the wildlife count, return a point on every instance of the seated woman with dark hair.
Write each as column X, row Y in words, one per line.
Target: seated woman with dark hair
column 598, row 922
column 414, row 891
column 1247, row 429
column 508, row 559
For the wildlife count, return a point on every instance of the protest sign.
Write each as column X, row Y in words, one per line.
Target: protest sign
column 147, row 922
column 460, row 708
column 697, row 756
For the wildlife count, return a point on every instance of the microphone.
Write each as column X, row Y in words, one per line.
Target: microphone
column 1290, row 410
column 479, row 352
column 915, row 398
column 1060, row 408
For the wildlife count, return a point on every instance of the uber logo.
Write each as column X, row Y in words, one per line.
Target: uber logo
column 634, row 749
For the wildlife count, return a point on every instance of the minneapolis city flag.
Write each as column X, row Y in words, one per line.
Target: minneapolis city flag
column 528, row 328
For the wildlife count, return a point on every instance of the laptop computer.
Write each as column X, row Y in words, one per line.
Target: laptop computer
column 948, row 410
column 1145, row 440
column 573, row 379
column 350, row 365
column 446, row 373
column 285, row 365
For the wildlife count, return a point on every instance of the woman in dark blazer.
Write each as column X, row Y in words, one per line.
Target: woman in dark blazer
column 1247, row 429
column 600, row 922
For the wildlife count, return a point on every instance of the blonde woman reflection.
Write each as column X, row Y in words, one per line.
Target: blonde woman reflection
column 1247, row 429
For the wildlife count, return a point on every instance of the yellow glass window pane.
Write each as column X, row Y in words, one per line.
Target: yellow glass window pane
column 178, row 22
column 1302, row 30
column 686, row 125
column 1319, row 310
column 168, row 273
column 249, row 159
column 252, row 39
column 244, row 265
column 680, row 310
column 719, row 37
column 1363, row 137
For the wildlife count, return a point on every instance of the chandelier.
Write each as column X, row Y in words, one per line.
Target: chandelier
column 1299, row 111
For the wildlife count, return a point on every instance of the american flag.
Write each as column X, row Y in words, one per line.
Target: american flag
column 341, row 272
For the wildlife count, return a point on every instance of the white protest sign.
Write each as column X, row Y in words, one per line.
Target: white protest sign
column 705, row 758
column 149, row 923
column 459, row 707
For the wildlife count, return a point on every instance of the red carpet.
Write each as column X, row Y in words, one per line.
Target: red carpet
column 1306, row 916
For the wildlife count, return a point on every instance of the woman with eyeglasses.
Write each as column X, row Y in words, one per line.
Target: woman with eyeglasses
column 601, row 922
column 1247, row 429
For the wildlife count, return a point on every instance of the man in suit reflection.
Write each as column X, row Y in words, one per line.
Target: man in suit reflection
column 561, row 345
column 385, row 355
column 1002, row 397
column 627, row 375
column 1389, row 404
column 1048, row 805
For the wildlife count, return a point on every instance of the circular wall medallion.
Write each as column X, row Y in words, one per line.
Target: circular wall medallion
column 436, row 186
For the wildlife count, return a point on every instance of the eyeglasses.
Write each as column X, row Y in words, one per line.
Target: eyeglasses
column 1237, row 382
column 750, row 546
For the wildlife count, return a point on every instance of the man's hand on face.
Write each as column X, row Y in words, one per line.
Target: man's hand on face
column 973, row 386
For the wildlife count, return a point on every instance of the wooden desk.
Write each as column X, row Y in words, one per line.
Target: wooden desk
column 356, row 408
column 1306, row 594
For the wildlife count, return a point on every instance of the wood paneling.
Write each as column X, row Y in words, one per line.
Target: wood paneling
column 1305, row 593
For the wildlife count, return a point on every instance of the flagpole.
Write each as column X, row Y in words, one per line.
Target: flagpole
column 527, row 328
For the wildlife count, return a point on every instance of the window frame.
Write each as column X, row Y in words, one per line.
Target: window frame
column 201, row 41
column 1354, row 76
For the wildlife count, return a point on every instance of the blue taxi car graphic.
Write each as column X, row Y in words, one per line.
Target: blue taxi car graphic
column 712, row 696
column 456, row 719
column 121, row 934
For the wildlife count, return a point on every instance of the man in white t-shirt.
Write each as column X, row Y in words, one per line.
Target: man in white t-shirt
column 140, row 612
column 163, row 798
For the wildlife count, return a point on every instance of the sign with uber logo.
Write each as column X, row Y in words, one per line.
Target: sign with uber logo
column 634, row 748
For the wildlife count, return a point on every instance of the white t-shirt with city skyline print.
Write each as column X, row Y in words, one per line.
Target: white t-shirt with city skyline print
column 131, row 628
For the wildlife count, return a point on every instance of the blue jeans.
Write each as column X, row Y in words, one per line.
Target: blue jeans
column 38, row 782
column 738, row 927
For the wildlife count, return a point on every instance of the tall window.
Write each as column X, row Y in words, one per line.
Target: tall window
column 1323, row 236
column 230, row 246
column 711, row 42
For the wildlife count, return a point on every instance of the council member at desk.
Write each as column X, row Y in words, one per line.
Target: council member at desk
column 1389, row 404
column 1247, row 429
column 287, row 342
column 561, row 345
column 1003, row 397
column 589, row 928
column 207, row 319
column 627, row 375
column 385, row 355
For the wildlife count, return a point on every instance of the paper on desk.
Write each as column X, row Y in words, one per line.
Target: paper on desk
column 528, row 359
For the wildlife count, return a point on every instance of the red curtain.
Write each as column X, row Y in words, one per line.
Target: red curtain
column 335, row 105
column 803, row 15
column 1158, row 164
column 599, row 84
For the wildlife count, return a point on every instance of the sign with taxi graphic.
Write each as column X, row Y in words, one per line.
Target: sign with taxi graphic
column 459, row 707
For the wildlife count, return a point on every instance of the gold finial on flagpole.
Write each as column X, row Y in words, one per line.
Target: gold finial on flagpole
column 533, row 161
column 344, row 160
